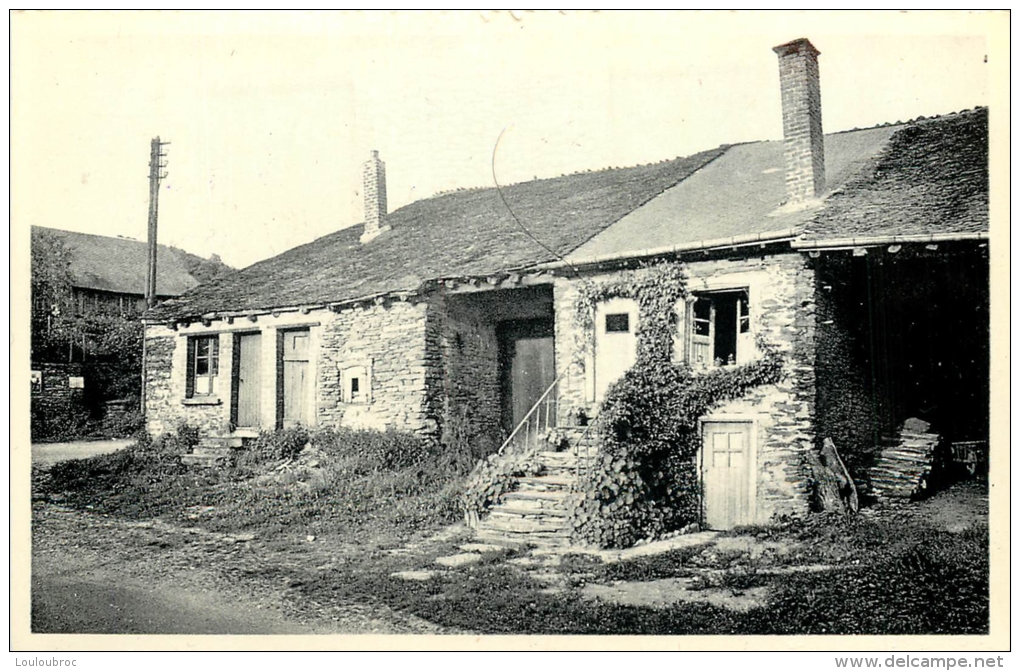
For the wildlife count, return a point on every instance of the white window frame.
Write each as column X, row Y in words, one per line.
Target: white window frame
column 212, row 367
column 362, row 372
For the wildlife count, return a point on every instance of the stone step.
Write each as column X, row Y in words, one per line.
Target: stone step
column 504, row 521
column 529, row 510
column 205, row 460
column 552, row 496
column 525, row 505
column 546, row 483
column 557, row 458
column 212, row 451
column 516, row 540
column 222, row 441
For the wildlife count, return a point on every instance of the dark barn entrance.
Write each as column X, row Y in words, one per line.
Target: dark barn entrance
column 903, row 335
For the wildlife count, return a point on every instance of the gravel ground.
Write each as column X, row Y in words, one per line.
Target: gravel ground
column 96, row 574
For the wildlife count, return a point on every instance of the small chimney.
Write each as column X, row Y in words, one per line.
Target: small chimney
column 375, row 197
column 803, row 144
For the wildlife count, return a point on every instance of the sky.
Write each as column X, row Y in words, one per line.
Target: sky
column 270, row 116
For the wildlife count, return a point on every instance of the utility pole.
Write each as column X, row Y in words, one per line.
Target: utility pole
column 156, row 173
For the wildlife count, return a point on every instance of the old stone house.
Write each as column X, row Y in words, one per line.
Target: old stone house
column 861, row 255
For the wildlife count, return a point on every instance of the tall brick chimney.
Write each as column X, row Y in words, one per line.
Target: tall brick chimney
column 803, row 144
column 375, row 197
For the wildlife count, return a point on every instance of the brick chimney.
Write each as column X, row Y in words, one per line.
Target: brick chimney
column 375, row 197
column 803, row 144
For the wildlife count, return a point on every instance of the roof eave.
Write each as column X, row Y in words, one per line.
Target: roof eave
column 877, row 240
column 746, row 240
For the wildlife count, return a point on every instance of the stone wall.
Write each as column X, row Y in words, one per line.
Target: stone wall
column 782, row 309
column 166, row 362
column 56, row 408
column 847, row 410
column 390, row 339
column 467, row 388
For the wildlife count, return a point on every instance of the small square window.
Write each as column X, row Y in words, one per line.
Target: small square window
column 356, row 384
column 618, row 323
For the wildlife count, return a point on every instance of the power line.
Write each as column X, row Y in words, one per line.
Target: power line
column 513, row 214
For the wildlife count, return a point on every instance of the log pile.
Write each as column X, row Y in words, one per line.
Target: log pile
column 902, row 469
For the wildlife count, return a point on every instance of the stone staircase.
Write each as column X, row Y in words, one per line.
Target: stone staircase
column 538, row 511
column 214, row 451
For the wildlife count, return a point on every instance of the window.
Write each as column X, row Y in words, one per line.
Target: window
column 721, row 329
column 618, row 323
column 357, row 384
column 203, row 365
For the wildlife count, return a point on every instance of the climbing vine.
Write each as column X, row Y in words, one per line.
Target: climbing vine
column 644, row 481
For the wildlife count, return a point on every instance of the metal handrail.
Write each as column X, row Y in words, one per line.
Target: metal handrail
column 527, row 418
column 582, row 464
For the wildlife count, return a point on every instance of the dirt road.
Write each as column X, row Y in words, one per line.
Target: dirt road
column 47, row 454
column 102, row 603
column 96, row 574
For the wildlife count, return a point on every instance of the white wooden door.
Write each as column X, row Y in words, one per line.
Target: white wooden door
column 615, row 342
column 727, row 474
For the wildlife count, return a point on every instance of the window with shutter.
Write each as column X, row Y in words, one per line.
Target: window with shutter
column 721, row 333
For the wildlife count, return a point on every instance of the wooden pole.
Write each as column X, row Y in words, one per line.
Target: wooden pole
column 154, row 175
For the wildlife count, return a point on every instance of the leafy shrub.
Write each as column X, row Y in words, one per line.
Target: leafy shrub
column 123, row 424
column 61, row 422
column 277, row 445
column 495, row 476
column 368, row 451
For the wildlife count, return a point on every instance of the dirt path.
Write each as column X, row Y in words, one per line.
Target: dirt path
column 47, row 454
column 94, row 574
column 104, row 603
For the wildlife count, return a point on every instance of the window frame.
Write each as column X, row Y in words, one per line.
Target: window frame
column 211, row 358
column 743, row 326
column 362, row 372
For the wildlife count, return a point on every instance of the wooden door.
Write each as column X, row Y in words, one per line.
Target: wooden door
column 727, row 474
column 294, row 355
column 615, row 342
column 528, row 364
column 247, row 380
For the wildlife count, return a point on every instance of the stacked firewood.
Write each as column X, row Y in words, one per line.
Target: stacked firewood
column 902, row 469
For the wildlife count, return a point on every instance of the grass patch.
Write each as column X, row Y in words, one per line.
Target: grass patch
column 345, row 482
column 899, row 580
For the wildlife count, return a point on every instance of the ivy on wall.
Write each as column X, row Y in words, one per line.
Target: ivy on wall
column 644, row 481
column 655, row 288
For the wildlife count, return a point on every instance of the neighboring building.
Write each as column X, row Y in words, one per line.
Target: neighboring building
column 108, row 274
column 862, row 255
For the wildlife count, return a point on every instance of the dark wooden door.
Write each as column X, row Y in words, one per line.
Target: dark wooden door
column 529, row 368
column 727, row 471
column 295, row 377
column 247, row 379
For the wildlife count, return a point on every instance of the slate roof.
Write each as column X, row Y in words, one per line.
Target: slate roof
column 926, row 176
column 740, row 193
column 457, row 234
column 931, row 178
column 119, row 265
